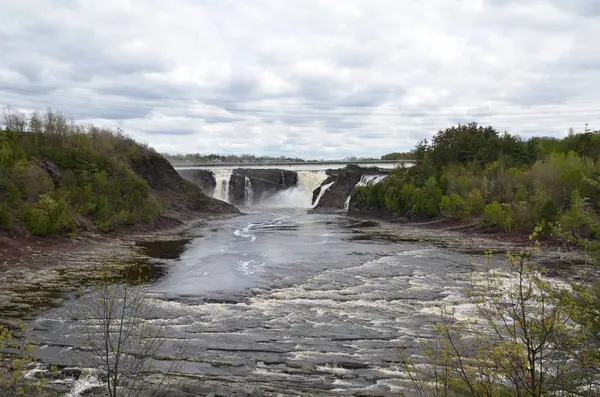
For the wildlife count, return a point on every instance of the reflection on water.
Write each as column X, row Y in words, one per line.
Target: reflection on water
column 171, row 249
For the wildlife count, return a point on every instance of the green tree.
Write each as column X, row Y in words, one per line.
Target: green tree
column 452, row 206
column 474, row 204
column 495, row 215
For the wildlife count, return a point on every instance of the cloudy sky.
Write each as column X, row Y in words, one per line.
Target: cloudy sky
column 310, row 78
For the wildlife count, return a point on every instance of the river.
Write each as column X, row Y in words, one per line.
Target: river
column 282, row 301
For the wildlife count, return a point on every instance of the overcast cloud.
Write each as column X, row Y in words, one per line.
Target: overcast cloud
column 309, row 78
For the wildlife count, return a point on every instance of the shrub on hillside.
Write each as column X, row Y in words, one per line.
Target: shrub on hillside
column 495, row 215
column 452, row 206
column 49, row 216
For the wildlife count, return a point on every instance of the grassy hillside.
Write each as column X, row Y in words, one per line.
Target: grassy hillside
column 475, row 172
column 58, row 177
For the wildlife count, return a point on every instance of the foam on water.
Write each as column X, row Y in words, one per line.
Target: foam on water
column 417, row 253
column 245, row 233
column 332, row 369
column 249, row 267
column 32, row 373
column 88, row 380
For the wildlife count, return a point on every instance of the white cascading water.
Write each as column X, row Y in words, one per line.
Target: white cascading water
column 321, row 193
column 222, row 178
column 365, row 180
column 248, row 192
column 347, row 203
column 299, row 196
column 369, row 180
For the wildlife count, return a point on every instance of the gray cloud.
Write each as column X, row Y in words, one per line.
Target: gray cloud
column 328, row 79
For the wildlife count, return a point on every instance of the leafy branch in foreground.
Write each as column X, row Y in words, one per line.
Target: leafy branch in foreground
column 531, row 337
column 15, row 362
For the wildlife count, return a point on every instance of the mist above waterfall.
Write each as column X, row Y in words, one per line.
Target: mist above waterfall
column 299, row 196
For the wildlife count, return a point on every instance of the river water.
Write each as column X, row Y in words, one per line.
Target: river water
column 282, row 301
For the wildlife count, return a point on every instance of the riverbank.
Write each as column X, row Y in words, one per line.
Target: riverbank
column 462, row 236
column 38, row 273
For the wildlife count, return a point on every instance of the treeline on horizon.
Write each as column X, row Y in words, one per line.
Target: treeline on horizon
column 229, row 158
column 251, row 158
column 475, row 172
column 57, row 176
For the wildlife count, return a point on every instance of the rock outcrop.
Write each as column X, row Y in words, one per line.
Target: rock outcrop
column 263, row 182
column 203, row 178
column 182, row 196
column 344, row 180
column 52, row 170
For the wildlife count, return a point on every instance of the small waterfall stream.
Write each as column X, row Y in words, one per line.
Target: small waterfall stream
column 322, row 192
column 365, row 180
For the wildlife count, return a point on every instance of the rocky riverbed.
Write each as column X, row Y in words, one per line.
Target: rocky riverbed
column 273, row 302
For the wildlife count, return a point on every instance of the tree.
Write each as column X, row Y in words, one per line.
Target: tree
column 398, row 156
column 5, row 150
column 584, row 299
column 525, row 342
column 452, row 206
column 495, row 214
column 121, row 341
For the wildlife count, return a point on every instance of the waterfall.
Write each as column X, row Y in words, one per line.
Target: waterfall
column 369, row 180
column 308, row 181
column 299, row 196
column 222, row 178
column 347, row 203
column 248, row 192
column 322, row 192
column 283, row 179
column 365, row 180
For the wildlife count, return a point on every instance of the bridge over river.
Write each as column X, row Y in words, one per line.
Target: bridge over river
column 293, row 166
